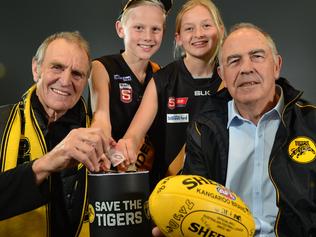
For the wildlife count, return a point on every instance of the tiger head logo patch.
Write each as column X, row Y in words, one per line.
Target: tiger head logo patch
column 302, row 150
column 91, row 213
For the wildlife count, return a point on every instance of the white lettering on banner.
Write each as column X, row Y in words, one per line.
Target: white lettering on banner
column 177, row 118
column 119, row 219
column 119, row 213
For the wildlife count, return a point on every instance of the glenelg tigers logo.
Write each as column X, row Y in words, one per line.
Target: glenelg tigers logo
column 146, row 210
column 91, row 213
column 302, row 150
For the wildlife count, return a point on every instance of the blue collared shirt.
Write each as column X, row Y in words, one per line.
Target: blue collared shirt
column 249, row 151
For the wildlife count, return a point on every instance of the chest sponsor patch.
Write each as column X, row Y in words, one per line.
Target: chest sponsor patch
column 302, row 150
column 202, row 93
column 177, row 118
column 126, row 92
column 177, row 102
column 122, row 78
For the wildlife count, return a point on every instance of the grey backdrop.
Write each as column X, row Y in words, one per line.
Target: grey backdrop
column 24, row 24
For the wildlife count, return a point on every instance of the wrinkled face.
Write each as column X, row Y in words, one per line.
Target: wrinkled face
column 143, row 31
column 62, row 76
column 248, row 67
column 198, row 34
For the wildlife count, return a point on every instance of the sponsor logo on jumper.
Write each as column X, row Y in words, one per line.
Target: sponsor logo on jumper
column 177, row 118
column 202, row 93
column 126, row 92
column 122, row 78
column 302, row 150
column 177, row 102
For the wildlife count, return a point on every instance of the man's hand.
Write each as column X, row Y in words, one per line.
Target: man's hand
column 156, row 232
column 83, row 145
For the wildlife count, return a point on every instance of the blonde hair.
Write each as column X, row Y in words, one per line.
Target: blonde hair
column 133, row 3
column 219, row 24
column 73, row 37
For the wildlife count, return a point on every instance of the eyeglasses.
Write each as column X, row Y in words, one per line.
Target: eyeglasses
column 166, row 3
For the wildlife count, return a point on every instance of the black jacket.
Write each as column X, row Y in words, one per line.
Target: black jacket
column 19, row 192
column 63, row 192
column 292, row 163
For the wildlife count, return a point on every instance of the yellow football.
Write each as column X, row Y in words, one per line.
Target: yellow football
column 190, row 205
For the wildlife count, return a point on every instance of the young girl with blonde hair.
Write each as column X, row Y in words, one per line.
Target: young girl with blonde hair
column 118, row 81
column 178, row 91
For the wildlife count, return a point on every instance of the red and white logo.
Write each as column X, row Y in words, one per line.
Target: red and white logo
column 226, row 193
column 171, row 102
column 126, row 93
column 177, row 102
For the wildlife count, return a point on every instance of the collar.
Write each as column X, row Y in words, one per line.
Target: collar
column 74, row 117
column 235, row 118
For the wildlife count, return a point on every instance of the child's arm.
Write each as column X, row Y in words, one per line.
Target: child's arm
column 100, row 101
column 140, row 124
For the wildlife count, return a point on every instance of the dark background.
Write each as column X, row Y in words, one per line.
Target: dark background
column 25, row 24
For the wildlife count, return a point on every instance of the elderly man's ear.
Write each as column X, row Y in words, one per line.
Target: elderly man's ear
column 220, row 73
column 277, row 66
column 35, row 71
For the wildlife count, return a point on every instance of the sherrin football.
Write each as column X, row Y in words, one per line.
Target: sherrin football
column 190, row 205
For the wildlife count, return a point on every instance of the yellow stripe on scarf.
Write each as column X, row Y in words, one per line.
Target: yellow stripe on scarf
column 33, row 223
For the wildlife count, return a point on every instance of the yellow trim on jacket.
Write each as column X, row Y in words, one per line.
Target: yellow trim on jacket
column 34, row 223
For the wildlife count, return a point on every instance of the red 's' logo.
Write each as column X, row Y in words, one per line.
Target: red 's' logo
column 126, row 92
column 177, row 102
column 171, row 102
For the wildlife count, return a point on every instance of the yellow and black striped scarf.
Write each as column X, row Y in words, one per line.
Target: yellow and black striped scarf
column 34, row 223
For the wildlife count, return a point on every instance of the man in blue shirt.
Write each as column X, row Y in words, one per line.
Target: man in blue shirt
column 258, row 137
